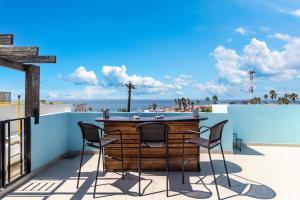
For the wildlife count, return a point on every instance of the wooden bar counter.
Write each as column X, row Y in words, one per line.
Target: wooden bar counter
column 153, row 158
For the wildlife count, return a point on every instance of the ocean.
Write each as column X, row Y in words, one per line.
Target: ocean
column 114, row 105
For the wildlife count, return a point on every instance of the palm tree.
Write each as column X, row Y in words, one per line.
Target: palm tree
column 179, row 103
column 256, row 100
column 188, row 102
column 154, row 106
column 273, row 94
column 265, row 97
column 283, row 100
column 43, row 101
column 293, row 97
column 176, row 102
column 214, row 99
column 183, row 102
column 207, row 100
column 192, row 104
column 279, row 100
column 287, row 96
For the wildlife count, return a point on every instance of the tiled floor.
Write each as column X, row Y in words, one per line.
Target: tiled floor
column 256, row 173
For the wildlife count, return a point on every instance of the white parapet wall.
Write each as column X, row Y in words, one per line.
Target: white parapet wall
column 55, row 108
column 220, row 108
column 11, row 111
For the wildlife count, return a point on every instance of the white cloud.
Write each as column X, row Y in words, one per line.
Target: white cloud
column 82, row 76
column 117, row 76
column 59, row 76
column 114, row 75
column 86, row 92
column 212, row 88
column 91, row 91
column 264, row 28
column 167, row 77
column 258, row 54
column 53, row 95
column 240, row 30
column 280, row 36
column 243, row 31
column 272, row 64
column 183, row 80
column 229, row 65
column 295, row 13
column 146, row 86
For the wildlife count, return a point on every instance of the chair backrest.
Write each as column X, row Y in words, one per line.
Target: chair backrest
column 153, row 132
column 90, row 132
column 216, row 131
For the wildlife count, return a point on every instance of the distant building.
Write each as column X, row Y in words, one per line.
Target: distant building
column 5, row 97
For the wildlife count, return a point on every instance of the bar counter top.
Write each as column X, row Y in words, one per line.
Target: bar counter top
column 121, row 119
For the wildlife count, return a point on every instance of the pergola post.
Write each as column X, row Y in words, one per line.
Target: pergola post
column 18, row 58
column 32, row 92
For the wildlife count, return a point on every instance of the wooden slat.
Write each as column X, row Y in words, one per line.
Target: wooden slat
column 130, row 128
column 6, row 39
column 150, row 164
column 12, row 64
column 32, row 59
column 154, row 156
column 19, row 51
column 129, row 152
column 135, row 145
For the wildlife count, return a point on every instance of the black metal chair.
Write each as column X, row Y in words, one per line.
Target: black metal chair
column 215, row 139
column 152, row 135
column 94, row 136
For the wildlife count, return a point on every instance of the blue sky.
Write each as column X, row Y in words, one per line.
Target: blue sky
column 168, row 48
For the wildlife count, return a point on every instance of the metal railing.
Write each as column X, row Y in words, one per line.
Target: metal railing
column 14, row 150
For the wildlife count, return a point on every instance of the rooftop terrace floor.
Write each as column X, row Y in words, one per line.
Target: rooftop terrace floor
column 258, row 172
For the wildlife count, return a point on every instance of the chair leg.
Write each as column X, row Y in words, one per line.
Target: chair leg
column 199, row 160
column 122, row 160
column 97, row 173
column 213, row 171
column 167, row 170
column 80, row 166
column 182, row 165
column 225, row 166
column 139, row 169
column 103, row 159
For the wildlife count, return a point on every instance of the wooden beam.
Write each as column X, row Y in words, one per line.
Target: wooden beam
column 32, row 91
column 12, row 64
column 6, row 39
column 19, row 51
column 32, row 59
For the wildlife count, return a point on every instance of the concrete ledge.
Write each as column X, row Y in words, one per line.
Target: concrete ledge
column 266, row 144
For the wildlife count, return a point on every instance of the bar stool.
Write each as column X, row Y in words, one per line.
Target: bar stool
column 215, row 139
column 94, row 136
column 153, row 135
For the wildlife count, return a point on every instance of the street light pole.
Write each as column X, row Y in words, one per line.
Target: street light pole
column 130, row 86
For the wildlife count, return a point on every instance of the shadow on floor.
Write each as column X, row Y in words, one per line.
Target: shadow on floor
column 247, row 188
column 219, row 167
column 246, row 150
column 197, row 185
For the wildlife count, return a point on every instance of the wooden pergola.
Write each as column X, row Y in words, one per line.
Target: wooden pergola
column 24, row 59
